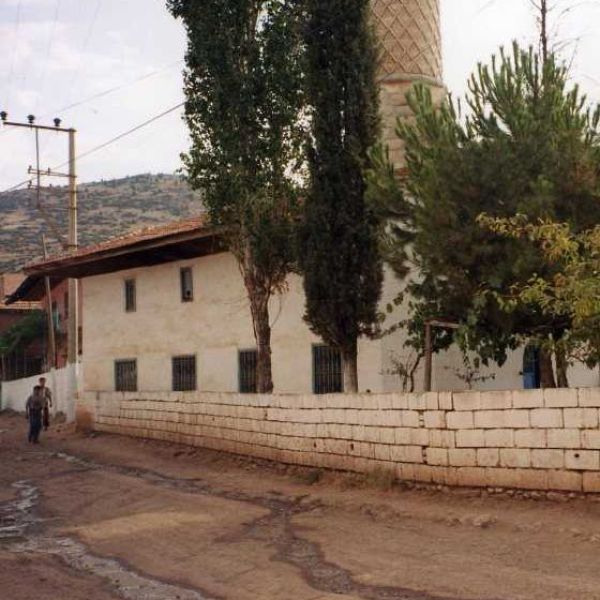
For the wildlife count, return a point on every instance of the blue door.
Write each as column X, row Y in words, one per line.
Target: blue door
column 531, row 368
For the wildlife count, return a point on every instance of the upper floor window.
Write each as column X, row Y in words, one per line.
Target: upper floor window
column 126, row 375
column 130, row 296
column 187, row 284
column 247, row 360
column 327, row 370
column 184, row 373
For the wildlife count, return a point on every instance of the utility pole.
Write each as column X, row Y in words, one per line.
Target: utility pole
column 50, row 316
column 71, row 244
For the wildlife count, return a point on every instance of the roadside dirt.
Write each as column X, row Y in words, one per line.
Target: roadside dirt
column 106, row 517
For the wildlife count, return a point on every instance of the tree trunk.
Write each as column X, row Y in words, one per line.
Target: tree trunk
column 350, row 366
column 546, row 369
column 259, row 303
column 561, row 368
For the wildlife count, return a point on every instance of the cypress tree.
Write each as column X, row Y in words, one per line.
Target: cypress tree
column 340, row 256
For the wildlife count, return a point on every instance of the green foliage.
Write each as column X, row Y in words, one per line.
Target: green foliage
column 572, row 292
column 528, row 144
column 243, row 86
column 22, row 333
column 340, row 257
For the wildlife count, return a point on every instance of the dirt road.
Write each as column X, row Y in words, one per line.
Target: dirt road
column 106, row 517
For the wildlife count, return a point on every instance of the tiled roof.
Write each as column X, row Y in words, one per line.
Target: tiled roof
column 198, row 223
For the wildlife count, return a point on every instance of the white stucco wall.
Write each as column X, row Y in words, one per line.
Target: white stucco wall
column 213, row 327
column 217, row 324
column 63, row 383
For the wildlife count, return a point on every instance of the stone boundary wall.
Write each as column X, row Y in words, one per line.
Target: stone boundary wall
column 541, row 440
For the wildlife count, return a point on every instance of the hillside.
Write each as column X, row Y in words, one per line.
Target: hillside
column 106, row 208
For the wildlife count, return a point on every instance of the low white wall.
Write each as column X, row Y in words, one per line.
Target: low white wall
column 62, row 382
column 539, row 439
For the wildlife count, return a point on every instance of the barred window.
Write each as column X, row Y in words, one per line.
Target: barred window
column 126, row 375
column 247, row 360
column 130, row 295
column 327, row 370
column 187, row 284
column 184, row 373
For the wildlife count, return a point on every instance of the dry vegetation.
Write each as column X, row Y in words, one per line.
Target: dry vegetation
column 106, row 208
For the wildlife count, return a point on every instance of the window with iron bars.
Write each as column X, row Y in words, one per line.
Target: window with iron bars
column 184, row 373
column 130, row 295
column 126, row 375
column 247, row 360
column 327, row 370
column 187, row 284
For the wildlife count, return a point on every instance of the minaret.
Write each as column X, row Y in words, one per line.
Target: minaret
column 411, row 51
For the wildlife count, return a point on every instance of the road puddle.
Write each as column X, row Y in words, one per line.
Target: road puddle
column 22, row 532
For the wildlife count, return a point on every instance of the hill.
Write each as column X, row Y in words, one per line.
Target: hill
column 106, row 208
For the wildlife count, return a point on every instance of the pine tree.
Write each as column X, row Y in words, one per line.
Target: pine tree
column 529, row 145
column 243, row 86
column 340, row 257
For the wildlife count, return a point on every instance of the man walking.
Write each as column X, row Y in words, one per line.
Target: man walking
column 47, row 394
column 34, row 409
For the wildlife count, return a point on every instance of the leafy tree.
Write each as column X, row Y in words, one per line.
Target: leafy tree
column 22, row 333
column 528, row 144
column 340, row 258
column 244, row 95
column 572, row 292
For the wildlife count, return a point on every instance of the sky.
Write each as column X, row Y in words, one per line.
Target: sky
column 119, row 62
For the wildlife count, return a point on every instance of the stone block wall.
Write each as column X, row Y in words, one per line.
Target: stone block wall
column 543, row 440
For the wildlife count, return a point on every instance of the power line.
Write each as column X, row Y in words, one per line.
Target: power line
column 48, row 52
column 103, row 145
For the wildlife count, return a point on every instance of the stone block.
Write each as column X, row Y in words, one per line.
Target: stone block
column 560, row 398
column 470, row 438
column 499, row 438
column 591, row 483
column 564, row 438
column 460, row 420
column 489, row 419
column 435, row 419
column 531, row 438
column 581, row 418
column 516, row 419
column 466, row 401
column 548, row 459
column 410, row 418
column 546, row 418
column 399, row 402
column 382, row 452
column 590, row 439
column 582, row 460
column 417, row 402
column 496, row 400
column 472, row 477
column 531, row 479
column 418, row 437
column 445, row 400
column 384, row 402
column 515, row 458
column 431, row 401
column 437, row 456
column 589, row 397
column 488, row 457
column 402, row 436
column 387, row 435
column 439, row 438
column 462, row 457
column 407, row 454
column 565, row 481
column 528, row 399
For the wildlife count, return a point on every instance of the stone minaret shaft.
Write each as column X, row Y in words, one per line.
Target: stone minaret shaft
column 411, row 51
